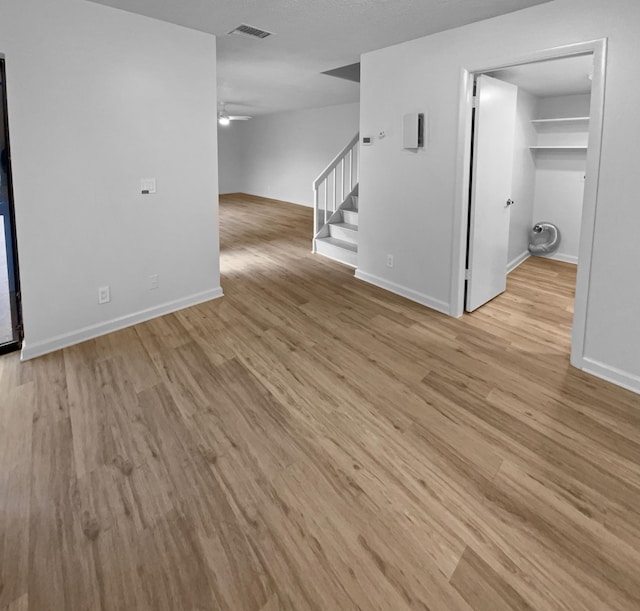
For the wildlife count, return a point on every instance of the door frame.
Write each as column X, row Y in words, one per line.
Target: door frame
column 16, row 303
column 463, row 180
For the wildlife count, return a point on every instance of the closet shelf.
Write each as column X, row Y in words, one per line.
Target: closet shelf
column 558, row 148
column 561, row 120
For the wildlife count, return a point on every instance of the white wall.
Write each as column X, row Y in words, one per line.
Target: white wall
column 563, row 106
column 230, row 158
column 559, row 175
column 99, row 98
column 407, row 202
column 559, row 196
column 282, row 154
column 524, row 171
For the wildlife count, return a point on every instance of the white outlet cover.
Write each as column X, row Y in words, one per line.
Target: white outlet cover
column 104, row 294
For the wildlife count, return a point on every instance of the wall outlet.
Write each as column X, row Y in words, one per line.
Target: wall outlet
column 154, row 282
column 104, row 294
column 389, row 260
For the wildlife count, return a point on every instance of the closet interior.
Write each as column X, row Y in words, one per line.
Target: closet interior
column 549, row 161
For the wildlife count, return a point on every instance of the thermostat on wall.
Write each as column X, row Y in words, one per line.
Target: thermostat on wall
column 367, row 140
column 147, row 186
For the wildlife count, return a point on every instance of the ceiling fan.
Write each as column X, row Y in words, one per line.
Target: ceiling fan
column 224, row 118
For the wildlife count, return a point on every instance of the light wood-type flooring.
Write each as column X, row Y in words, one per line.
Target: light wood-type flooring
column 312, row 442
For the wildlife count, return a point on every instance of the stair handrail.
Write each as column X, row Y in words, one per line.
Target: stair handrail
column 329, row 178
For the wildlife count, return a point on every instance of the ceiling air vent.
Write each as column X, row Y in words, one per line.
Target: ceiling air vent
column 249, row 30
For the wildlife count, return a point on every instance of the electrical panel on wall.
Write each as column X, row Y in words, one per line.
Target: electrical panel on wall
column 413, row 130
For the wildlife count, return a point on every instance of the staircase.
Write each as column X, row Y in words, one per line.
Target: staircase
column 336, row 207
column 338, row 238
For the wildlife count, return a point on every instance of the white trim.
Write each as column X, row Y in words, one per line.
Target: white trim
column 270, row 199
column 30, row 351
column 611, row 374
column 461, row 203
column 558, row 256
column 518, row 261
column 587, row 229
column 336, row 259
column 461, row 208
column 403, row 291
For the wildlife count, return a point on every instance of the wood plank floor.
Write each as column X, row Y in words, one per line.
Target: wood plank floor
column 312, row 442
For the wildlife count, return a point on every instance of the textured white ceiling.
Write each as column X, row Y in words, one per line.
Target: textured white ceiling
column 566, row 76
column 283, row 72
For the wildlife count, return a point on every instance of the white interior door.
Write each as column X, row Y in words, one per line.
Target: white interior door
column 494, row 143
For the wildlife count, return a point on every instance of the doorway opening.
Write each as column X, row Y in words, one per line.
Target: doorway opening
column 10, row 312
column 530, row 154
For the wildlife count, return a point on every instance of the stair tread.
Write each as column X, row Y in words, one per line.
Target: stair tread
column 346, row 226
column 340, row 243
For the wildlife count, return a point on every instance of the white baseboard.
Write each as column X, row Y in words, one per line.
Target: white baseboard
column 611, row 374
column 519, row 260
column 422, row 299
column 336, row 259
column 276, row 200
column 30, row 351
column 558, row 256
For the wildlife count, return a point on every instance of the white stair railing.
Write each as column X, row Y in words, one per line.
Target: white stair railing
column 335, row 183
